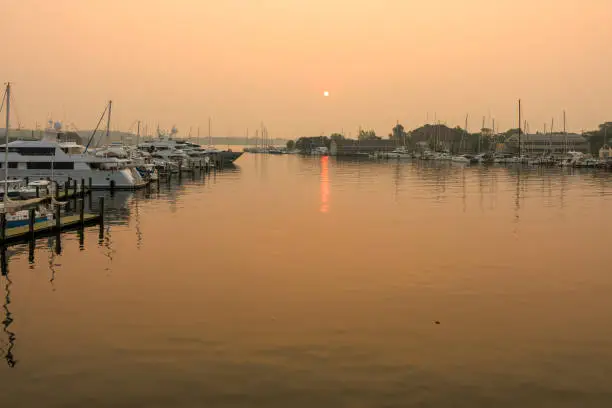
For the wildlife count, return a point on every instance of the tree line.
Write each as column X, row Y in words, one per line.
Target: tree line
column 440, row 136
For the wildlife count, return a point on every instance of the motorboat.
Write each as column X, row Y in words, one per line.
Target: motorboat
column 461, row 159
column 398, row 153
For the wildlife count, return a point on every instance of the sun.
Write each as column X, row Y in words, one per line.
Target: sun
column 325, row 93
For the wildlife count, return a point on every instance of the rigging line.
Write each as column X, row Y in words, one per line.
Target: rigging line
column 3, row 99
column 96, row 129
column 14, row 106
column 132, row 125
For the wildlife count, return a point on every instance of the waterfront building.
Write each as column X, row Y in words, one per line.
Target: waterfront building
column 556, row 144
column 351, row 147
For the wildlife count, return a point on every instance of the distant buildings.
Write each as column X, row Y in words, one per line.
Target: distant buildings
column 539, row 143
column 350, row 147
column 605, row 152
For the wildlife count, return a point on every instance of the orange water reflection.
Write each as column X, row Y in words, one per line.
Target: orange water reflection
column 324, row 184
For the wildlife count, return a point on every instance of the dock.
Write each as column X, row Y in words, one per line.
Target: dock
column 55, row 226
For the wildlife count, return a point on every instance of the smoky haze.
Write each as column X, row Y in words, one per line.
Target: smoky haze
column 243, row 62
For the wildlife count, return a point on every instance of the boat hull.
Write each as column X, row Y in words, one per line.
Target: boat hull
column 123, row 179
column 229, row 157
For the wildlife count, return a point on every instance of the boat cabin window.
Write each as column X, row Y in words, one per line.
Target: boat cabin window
column 31, row 151
column 12, row 165
column 63, row 165
column 47, row 165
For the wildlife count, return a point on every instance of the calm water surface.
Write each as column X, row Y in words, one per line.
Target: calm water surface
column 301, row 282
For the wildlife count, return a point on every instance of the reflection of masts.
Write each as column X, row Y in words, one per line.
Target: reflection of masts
column 8, row 320
column 138, row 231
column 52, row 253
column 108, row 245
column 517, row 200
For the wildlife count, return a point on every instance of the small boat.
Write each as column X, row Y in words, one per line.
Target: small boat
column 399, row 153
column 460, row 159
column 12, row 187
column 34, row 189
column 22, row 217
column 320, row 151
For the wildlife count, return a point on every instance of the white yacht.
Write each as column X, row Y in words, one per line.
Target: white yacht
column 165, row 142
column 44, row 159
column 398, row 153
column 461, row 159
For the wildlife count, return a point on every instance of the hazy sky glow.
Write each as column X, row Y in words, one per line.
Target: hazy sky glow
column 246, row 61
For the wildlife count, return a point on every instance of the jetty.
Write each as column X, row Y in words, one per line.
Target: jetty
column 59, row 223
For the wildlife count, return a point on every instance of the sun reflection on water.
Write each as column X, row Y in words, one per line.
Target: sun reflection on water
column 324, row 184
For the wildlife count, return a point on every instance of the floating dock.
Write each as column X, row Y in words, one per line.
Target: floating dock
column 59, row 223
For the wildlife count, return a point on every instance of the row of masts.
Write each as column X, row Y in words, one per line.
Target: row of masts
column 523, row 129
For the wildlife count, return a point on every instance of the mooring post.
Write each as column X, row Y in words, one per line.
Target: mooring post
column 27, row 179
column 37, row 192
column 58, row 218
column 3, row 226
column 31, row 251
column 101, row 205
column 57, row 190
column 66, row 188
column 82, row 188
column 101, row 235
column 90, row 184
column 32, row 220
column 82, row 212
column 74, row 193
column 112, row 185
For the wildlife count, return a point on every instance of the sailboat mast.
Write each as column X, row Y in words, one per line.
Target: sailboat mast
column 209, row 134
column 138, row 134
column 519, row 125
column 480, row 137
column 108, row 119
column 564, row 133
column 466, row 131
column 6, row 136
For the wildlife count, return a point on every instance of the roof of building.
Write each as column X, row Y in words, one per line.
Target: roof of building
column 372, row 143
column 541, row 137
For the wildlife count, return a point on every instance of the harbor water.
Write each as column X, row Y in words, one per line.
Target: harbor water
column 290, row 281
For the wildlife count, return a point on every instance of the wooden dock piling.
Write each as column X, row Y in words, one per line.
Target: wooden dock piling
column 32, row 221
column 3, row 226
column 58, row 218
column 82, row 212
column 101, row 205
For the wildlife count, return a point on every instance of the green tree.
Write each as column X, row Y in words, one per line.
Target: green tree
column 368, row 134
column 290, row 145
column 336, row 136
column 399, row 134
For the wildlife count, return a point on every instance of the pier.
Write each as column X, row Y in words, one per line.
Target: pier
column 59, row 223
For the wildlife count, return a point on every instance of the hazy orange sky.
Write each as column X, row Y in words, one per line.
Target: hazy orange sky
column 246, row 61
